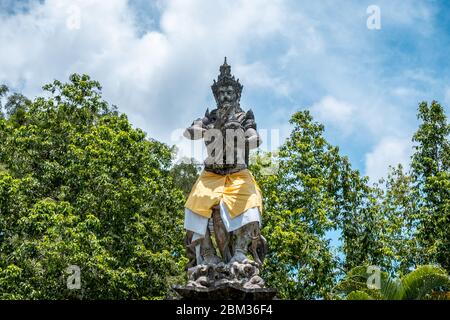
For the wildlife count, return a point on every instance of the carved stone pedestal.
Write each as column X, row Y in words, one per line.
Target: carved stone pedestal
column 225, row 292
column 235, row 281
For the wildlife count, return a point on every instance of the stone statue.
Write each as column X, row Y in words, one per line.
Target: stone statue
column 225, row 201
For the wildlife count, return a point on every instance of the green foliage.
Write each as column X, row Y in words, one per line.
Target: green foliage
column 397, row 220
column 358, row 217
column 419, row 284
column 82, row 187
column 431, row 171
column 3, row 91
column 412, row 208
column 313, row 192
column 358, row 295
column 355, row 282
column 185, row 173
column 406, row 217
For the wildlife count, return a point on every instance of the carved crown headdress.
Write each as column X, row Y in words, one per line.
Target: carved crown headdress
column 226, row 79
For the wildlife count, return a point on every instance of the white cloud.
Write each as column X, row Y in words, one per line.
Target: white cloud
column 408, row 14
column 257, row 75
column 403, row 92
column 160, row 78
column 388, row 152
column 298, row 53
column 333, row 112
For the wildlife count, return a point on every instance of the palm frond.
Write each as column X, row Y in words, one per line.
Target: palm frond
column 391, row 289
column 421, row 282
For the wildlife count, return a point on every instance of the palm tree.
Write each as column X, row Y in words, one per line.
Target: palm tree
column 426, row 282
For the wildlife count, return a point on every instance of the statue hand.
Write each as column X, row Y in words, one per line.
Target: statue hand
column 194, row 132
column 232, row 125
column 253, row 141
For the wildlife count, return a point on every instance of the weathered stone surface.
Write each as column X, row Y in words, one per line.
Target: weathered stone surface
column 244, row 275
column 233, row 272
column 225, row 291
column 233, row 281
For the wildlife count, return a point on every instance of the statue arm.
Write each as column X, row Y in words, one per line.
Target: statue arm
column 195, row 131
column 251, row 135
column 197, row 128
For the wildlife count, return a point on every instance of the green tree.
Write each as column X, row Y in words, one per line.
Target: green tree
column 412, row 209
column 425, row 282
column 431, row 171
column 16, row 106
column 398, row 221
column 85, row 188
column 358, row 217
column 313, row 191
column 3, row 91
column 185, row 173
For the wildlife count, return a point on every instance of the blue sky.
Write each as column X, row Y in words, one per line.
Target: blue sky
column 156, row 61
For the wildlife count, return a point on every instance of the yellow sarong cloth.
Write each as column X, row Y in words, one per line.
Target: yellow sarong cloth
column 238, row 191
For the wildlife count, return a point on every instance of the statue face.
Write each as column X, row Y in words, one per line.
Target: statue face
column 227, row 96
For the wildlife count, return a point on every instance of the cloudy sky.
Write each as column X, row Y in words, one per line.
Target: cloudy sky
column 156, row 61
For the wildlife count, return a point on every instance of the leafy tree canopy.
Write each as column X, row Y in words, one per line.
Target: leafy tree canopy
column 81, row 186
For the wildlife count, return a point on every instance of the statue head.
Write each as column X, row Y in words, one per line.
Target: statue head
column 226, row 90
column 226, row 96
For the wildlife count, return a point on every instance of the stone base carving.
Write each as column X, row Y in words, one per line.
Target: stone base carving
column 244, row 275
column 237, row 281
column 225, row 292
